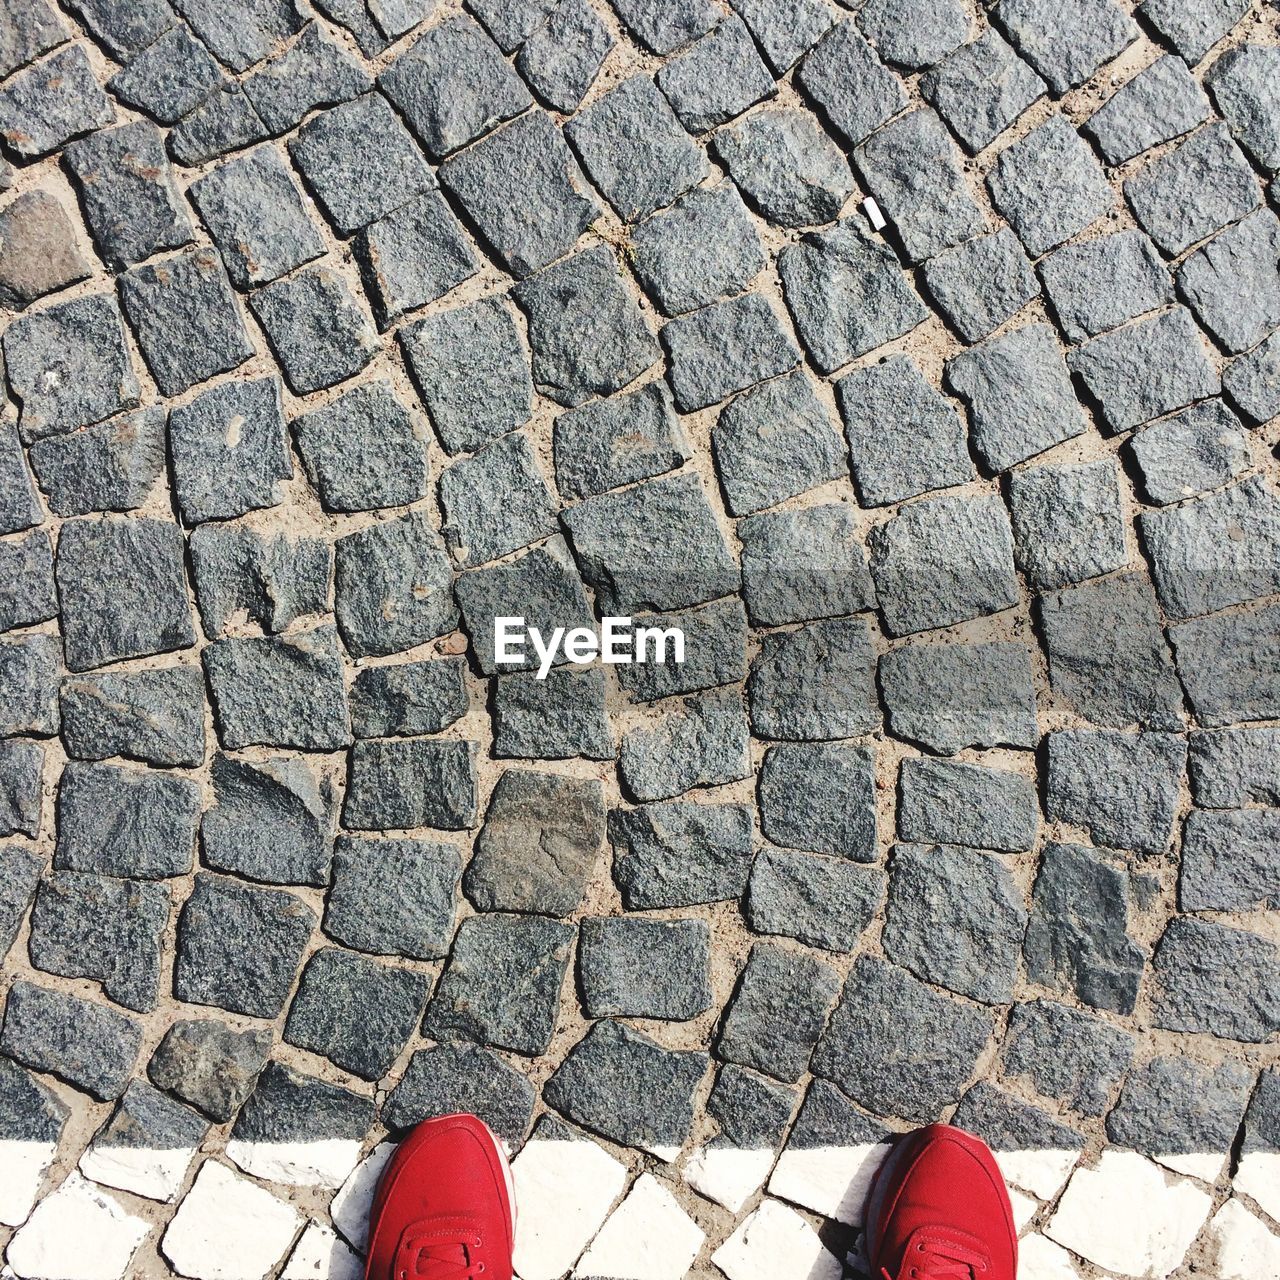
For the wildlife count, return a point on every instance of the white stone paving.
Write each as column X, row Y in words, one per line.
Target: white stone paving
column 1258, row 1176
column 23, row 1165
column 649, row 1237
column 832, row 1181
column 325, row 1163
column 322, row 1255
column 727, row 1174
column 349, row 1209
column 1242, row 1246
column 776, row 1243
column 157, row 1175
column 1041, row 1259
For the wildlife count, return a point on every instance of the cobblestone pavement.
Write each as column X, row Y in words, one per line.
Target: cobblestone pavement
column 331, row 335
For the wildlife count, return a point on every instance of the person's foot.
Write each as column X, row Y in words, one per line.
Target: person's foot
column 939, row 1211
column 444, row 1208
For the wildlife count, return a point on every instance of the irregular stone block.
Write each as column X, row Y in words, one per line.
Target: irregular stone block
column 169, row 78
column 210, row 1066
column 502, row 984
column 279, row 692
column 1240, row 314
column 914, row 33
column 664, row 28
column 244, row 34
column 19, row 506
column 1160, row 103
column 1243, row 84
column 26, row 574
column 981, row 283
column 524, row 191
column 844, row 77
column 49, row 104
column 1226, row 666
column 822, row 902
column 1253, row 381
column 784, row 31
column 223, row 122
column 717, row 78
column 185, row 318
column 1201, row 448
column 967, row 805
column 153, row 716
column 31, row 28
column 541, row 839
column 21, row 771
column 1193, row 28
column 313, row 72
column 715, row 652
column 393, row 897
column 213, row 965
column 409, row 698
column 110, row 466
column 561, row 59
column 1234, row 767
column 38, row 250
column 1227, row 863
column 29, row 685
column 636, row 968
column 402, row 783
column 1067, row 43
column 554, row 718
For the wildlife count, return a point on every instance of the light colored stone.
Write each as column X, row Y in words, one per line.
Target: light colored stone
column 776, row 1243
column 1040, row 1172
column 77, row 1233
column 564, row 1190
column 1041, row 1259
column 327, row 1162
column 1024, row 1208
column 228, row 1228
column 1243, row 1246
column 1204, row 1165
column 158, row 1175
column 1128, row 1216
column 832, row 1181
column 22, row 1168
column 649, row 1237
column 350, row 1207
column 1258, row 1175
column 727, row 1174
column 322, row 1255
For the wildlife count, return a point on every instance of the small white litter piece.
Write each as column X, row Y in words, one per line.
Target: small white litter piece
column 874, row 216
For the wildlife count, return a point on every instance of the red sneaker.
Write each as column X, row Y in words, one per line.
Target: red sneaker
column 444, row 1208
column 939, row 1211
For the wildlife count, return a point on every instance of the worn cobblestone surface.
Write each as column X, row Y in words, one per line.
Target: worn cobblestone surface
column 334, row 328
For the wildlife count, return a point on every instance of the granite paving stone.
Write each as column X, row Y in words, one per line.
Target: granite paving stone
column 1160, row 103
column 279, row 691
column 186, row 319
column 1067, row 43
column 981, row 89
column 717, row 78
column 704, row 247
column 471, row 371
column 680, row 853
column 413, row 256
column 1049, row 186
column 1019, row 395
column 1067, row 1054
column 803, row 563
column 89, row 926
column 965, row 804
column 1224, row 666
column 1193, row 28
column 554, row 718
column 1240, row 314
column 1121, row 787
column 524, row 192
column 1100, row 283
column 391, row 586
column 169, row 78
column 981, row 283
column 1253, row 381
column 1077, row 938
column 1243, row 84
column 1209, row 164
column 955, row 918
column 1234, row 767
column 91, row 1047
column 785, row 166
column 541, row 838
column 774, row 442
column 897, row 1046
column 128, row 194
column 777, row 1012
column 950, row 696
column 315, row 71
column 21, row 776
column 68, row 366
column 153, row 716
column 39, row 253
column 1226, row 862
column 495, row 502
column 912, row 34
column 110, row 466
column 942, row 561
column 401, row 783
column 715, row 643
column 843, row 76
column 587, row 333
column 408, row 698
column 820, row 901
column 393, row 897
column 914, row 172
column 821, row 798
column 617, row 441
column 122, row 590
column 209, row 1066
column 663, row 26
column 30, row 30
column 354, row 1011
column 1067, row 522
column 846, row 294
column 256, row 216
column 628, row 1088
column 814, row 683
column 1188, row 453
column 904, row 438
column 359, row 161
column 225, row 121
column 28, row 594
column 21, row 872
column 212, row 966
column 244, row 34
column 1108, row 658
column 785, row 31
column 29, row 686
column 52, row 102
column 452, row 85
column 561, row 59
column 644, row 968
column 724, row 348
